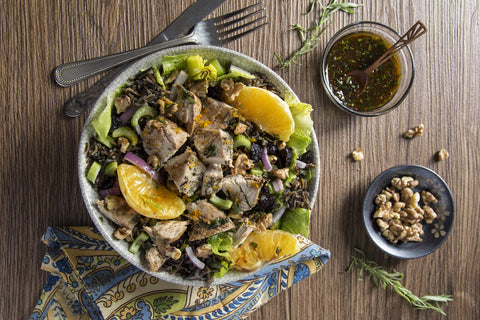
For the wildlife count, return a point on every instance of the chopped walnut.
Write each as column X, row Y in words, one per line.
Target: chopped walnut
column 240, row 128
column 414, row 132
column 281, row 173
column 173, row 253
column 153, row 161
column 122, row 103
column 282, row 145
column 430, row 214
column 124, row 144
column 242, row 164
column 167, row 107
column 400, row 210
column 428, row 197
column 204, row 250
column 231, row 89
column 264, row 222
column 358, row 155
column 442, row 154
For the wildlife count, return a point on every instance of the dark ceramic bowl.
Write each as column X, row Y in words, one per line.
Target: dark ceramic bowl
column 435, row 233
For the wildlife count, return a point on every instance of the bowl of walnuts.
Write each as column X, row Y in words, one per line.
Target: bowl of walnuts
column 408, row 211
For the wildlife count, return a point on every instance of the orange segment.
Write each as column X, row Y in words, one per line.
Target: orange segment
column 261, row 247
column 267, row 110
column 147, row 197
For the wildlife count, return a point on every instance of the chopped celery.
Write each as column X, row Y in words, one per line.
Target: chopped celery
column 136, row 244
column 111, row 168
column 236, row 72
column 218, row 66
column 127, row 133
column 256, row 171
column 291, row 176
column 241, row 140
column 94, row 171
column 144, row 111
column 221, row 203
column 158, row 76
column 107, row 141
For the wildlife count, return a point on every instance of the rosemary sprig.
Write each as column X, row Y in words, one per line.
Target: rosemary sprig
column 383, row 278
column 310, row 37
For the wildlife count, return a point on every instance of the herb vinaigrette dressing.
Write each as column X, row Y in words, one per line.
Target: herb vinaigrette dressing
column 357, row 52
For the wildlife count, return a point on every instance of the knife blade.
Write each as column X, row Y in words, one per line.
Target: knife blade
column 195, row 13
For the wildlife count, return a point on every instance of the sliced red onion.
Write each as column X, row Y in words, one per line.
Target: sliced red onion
column 127, row 114
column 277, row 185
column 181, row 77
column 300, row 164
column 113, row 191
column 199, row 264
column 278, row 214
column 266, row 160
column 139, row 162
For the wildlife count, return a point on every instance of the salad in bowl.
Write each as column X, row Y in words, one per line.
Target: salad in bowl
column 199, row 164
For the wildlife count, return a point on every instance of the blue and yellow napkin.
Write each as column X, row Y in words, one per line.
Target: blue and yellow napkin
column 89, row 280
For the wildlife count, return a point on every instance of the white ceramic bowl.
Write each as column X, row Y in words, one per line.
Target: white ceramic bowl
column 90, row 195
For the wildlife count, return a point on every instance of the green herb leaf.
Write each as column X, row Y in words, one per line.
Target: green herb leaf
column 310, row 37
column 391, row 279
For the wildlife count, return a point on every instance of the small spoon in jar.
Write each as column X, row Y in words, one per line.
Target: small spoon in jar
column 361, row 76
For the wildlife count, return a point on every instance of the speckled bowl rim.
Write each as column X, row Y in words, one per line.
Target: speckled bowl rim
column 90, row 196
column 428, row 179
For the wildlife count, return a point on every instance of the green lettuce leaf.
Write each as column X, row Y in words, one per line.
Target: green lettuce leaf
column 103, row 122
column 173, row 63
column 221, row 244
column 296, row 221
column 301, row 112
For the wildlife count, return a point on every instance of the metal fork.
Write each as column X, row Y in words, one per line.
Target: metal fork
column 216, row 31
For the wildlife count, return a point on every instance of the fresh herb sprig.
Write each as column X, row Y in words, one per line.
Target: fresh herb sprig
column 383, row 278
column 310, row 37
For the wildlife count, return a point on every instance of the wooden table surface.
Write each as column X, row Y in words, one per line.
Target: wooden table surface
column 39, row 145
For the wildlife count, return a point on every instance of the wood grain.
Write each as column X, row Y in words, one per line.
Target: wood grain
column 39, row 146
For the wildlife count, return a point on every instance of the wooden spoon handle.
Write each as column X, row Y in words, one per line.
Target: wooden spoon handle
column 413, row 33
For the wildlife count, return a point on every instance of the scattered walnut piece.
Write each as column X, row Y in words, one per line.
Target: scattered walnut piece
column 400, row 210
column 412, row 133
column 442, row 154
column 358, row 155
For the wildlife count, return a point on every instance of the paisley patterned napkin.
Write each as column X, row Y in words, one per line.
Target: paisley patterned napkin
column 89, row 280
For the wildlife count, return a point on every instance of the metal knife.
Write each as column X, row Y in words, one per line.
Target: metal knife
column 191, row 16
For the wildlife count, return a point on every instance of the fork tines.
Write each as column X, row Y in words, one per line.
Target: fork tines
column 237, row 24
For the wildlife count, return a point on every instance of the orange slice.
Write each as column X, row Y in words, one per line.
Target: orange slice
column 145, row 196
column 262, row 247
column 267, row 110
